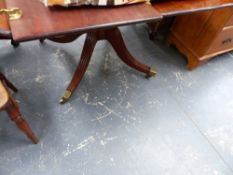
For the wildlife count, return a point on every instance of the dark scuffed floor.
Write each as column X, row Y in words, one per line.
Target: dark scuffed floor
column 118, row 122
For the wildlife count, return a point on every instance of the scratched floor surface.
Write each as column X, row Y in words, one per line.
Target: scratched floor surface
column 118, row 122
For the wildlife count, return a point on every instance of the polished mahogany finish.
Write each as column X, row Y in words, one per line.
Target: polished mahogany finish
column 178, row 7
column 114, row 37
column 8, row 104
column 172, row 8
column 65, row 25
column 194, row 23
column 39, row 21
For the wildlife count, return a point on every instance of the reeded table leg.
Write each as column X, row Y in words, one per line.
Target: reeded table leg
column 88, row 49
column 115, row 38
column 153, row 27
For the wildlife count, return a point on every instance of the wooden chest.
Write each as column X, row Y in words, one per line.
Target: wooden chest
column 201, row 36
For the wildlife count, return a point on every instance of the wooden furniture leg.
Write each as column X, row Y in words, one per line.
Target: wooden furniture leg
column 8, row 83
column 8, row 104
column 116, row 40
column 15, row 115
column 192, row 60
column 14, row 43
column 7, row 35
column 85, row 58
column 153, row 27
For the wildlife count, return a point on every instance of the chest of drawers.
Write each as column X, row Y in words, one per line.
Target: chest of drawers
column 202, row 36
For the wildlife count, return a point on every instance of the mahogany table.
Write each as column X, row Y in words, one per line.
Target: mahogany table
column 65, row 25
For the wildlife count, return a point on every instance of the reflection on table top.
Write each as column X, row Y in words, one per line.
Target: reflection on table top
column 40, row 21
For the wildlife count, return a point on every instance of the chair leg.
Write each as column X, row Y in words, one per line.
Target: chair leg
column 153, row 28
column 15, row 115
column 8, row 83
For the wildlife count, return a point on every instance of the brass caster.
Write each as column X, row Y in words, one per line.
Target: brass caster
column 151, row 73
column 66, row 96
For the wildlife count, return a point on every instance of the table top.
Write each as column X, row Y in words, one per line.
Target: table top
column 39, row 21
column 178, row 7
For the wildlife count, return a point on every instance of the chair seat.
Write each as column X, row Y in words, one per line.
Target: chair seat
column 4, row 97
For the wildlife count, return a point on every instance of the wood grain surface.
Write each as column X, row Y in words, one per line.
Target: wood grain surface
column 178, row 7
column 39, row 21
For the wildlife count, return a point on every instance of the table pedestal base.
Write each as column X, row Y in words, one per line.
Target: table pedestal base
column 114, row 37
column 153, row 28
